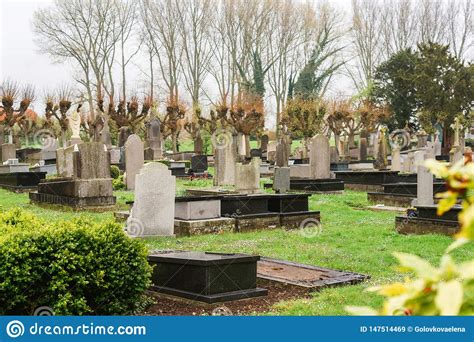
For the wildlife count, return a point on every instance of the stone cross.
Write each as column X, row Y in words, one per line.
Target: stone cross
column 152, row 213
column 134, row 159
column 457, row 127
column 320, row 157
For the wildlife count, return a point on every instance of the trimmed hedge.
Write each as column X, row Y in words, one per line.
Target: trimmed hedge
column 75, row 268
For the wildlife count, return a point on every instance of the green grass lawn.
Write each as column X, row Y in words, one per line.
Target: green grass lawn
column 351, row 239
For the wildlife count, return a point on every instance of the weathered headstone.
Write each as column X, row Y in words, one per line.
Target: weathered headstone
column 437, row 144
column 105, row 135
column 7, row 151
column 363, row 148
column 320, row 157
column 264, row 143
column 225, row 157
column 455, row 154
column 422, row 138
column 2, row 134
column 64, row 161
column 281, row 179
column 152, row 213
column 271, row 151
column 381, row 160
column 134, row 159
column 282, row 153
column 424, row 181
column 334, row 154
column 247, row 176
column 396, row 165
column 154, row 150
column 124, row 133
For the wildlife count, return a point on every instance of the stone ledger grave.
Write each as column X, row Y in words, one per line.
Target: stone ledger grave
column 206, row 277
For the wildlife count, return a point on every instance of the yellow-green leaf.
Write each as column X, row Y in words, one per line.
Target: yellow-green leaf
column 361, row 311
column 449, row 297
column 414, row 263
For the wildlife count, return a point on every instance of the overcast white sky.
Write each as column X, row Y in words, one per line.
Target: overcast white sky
column 20, row 58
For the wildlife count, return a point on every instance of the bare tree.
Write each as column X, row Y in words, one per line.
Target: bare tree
column 159, row 21
column 366, row 28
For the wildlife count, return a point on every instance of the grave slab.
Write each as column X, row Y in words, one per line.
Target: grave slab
column 206, row 277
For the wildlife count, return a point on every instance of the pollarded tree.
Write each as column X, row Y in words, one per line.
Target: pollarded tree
column 305, row 118
column 394, row 87
column 9, row 93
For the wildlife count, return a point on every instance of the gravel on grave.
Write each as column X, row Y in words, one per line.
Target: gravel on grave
column 277, row 292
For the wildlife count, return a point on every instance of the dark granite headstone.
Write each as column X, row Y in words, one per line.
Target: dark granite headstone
column 255, row 152
column 199, row 163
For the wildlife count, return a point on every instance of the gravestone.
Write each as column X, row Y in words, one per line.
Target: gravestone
column 199, row 163
column 134, row 159
column 84, row 180
column 124, row 133
column 154, row 150
column 320, row 157
column 437, row 144
column 422, row 138
column 7, row 151
column 381, row 160
column 247, row 176
column 255, row 152
column 153, row 210
column 271, row 151
column 424, row 180
column 282, row 153
column 334, row 154
column 396, row 165
column 225, row 157
column 264, row 143
column 363, row 148
column 281, row 179
column 105, row 135
column 2, row 134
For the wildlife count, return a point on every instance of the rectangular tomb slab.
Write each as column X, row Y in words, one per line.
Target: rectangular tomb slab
column 197, row 208
column 308, row 276
column 206, row 277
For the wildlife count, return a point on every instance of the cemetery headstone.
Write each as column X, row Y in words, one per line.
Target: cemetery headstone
column 7, row 151
column 255, row 152
column 424, row 181
column 381, row 160
column 154, row 149
column 198, row 144
column 153, row 210
column 363, row 148
column 281, row 179
column 396, row 165
column 422, row 138
column 282, row 153
column 247, row 176
column 105, row 135
column 199, row 163
column 124, row 133
column 320, row 157
column 271, row 151
column 134, row 159
column 264, row 143
column 225, row 158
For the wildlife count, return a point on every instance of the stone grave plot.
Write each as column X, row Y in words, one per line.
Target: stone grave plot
column 205, row 277
column 317, row 185
column 17, row 176
column 340, row 166
column 367, row 180
column 257, row 212
column 424, row 220
column 196, row 215
column 178, row 168
column 312, row 277
column 226, row 277
column 85, row 180
column 401, row 194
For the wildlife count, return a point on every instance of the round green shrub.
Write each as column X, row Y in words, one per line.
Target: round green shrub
column 75, row 268
column 114, row 172
column 118, row 184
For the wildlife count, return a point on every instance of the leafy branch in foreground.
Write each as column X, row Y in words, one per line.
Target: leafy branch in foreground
column 449, row 289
